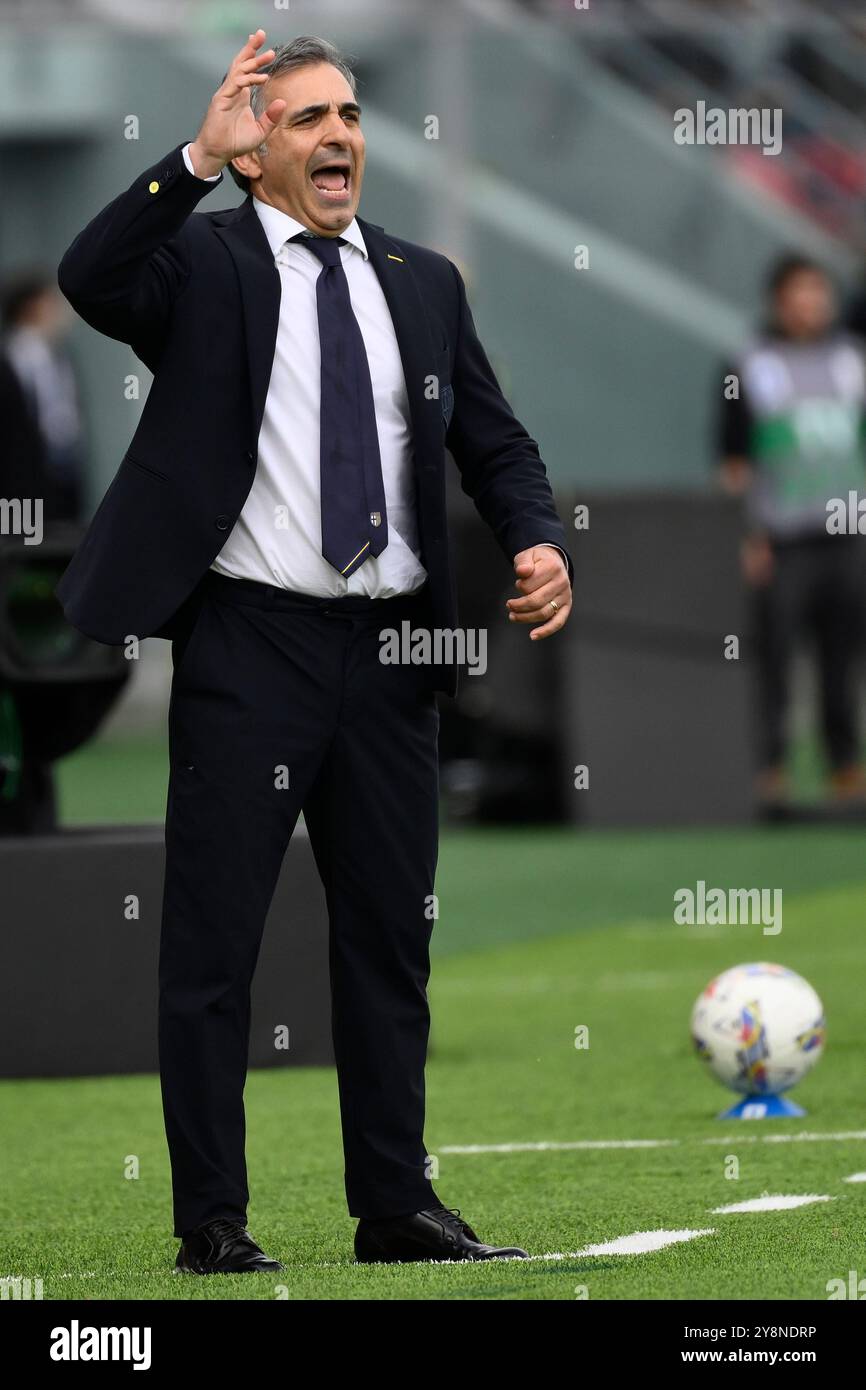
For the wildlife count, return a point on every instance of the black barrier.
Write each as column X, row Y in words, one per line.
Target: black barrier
column 637, row 688
column 79, row 971
column 656, row 684
column 56, row 685
column 500, row 743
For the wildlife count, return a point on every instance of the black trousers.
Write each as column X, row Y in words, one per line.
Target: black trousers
column 280, row 704
column 816, row 592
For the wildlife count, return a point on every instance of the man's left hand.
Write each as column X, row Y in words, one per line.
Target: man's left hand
column 542, row 579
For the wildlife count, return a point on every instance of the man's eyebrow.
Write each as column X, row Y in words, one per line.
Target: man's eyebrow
column 347, row 106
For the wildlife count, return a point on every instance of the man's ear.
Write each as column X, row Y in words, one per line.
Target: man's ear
column 248, row 164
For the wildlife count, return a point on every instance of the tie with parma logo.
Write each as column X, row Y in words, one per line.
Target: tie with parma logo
column 354, row 517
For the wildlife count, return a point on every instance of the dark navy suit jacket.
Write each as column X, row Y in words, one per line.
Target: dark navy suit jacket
column 197, row 299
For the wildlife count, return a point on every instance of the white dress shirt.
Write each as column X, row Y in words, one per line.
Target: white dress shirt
column 278, row 536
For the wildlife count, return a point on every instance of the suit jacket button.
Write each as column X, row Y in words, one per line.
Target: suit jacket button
column 223, row 522
column 250, row 456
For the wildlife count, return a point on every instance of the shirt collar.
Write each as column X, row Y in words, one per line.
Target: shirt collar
column 279, row 227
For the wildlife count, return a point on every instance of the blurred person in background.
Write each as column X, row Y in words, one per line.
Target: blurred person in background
column 21, row 454
column 35, row 320
column 41, row 457
column 791, row 440
column 27, row 788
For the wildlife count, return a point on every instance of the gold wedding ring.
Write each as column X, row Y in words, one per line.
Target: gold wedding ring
column 554, row 605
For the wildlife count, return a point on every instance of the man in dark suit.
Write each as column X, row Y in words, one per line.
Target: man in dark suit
column 280, row 509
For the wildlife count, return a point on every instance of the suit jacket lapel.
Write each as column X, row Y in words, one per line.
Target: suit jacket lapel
column 412, row 328
column 245, row 238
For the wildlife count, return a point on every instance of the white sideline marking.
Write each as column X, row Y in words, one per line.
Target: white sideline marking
column 554, row 1146
column 856, row 1177
column 779, row 1202
column 642, row 1242
column 639, row 1243
column 807, row 1137
column 458, row 1264
column 543, row 1145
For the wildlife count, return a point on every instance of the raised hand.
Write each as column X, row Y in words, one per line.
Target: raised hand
column 229, row 127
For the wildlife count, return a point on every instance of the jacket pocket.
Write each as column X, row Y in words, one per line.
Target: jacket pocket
column 147, row 468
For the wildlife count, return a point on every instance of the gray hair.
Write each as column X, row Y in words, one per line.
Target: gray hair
column 300, row 53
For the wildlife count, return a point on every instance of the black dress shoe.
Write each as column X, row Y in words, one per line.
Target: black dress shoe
column 435, row 1234
column 222, row 1247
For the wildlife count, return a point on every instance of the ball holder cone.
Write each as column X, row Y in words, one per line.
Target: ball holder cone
column 762, row 1108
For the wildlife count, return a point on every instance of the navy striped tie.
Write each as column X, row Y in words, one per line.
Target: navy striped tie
column 354, row 518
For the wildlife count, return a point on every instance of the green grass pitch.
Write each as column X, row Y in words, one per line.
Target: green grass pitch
column 539, row 932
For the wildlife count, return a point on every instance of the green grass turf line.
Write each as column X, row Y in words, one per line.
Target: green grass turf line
column 503, row 1069
column 113, row 781
column 500, row 884
column 124, row 779
column 497, row 885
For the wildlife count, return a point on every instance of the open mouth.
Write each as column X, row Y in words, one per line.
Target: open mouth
column 333, row 181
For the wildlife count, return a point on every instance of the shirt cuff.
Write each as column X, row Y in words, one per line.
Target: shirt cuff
column 212, row 178
column 553, row 546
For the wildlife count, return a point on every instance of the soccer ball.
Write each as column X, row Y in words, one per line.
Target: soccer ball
column 759, row 1027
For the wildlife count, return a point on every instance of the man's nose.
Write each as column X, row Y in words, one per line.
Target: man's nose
column 335, row 132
